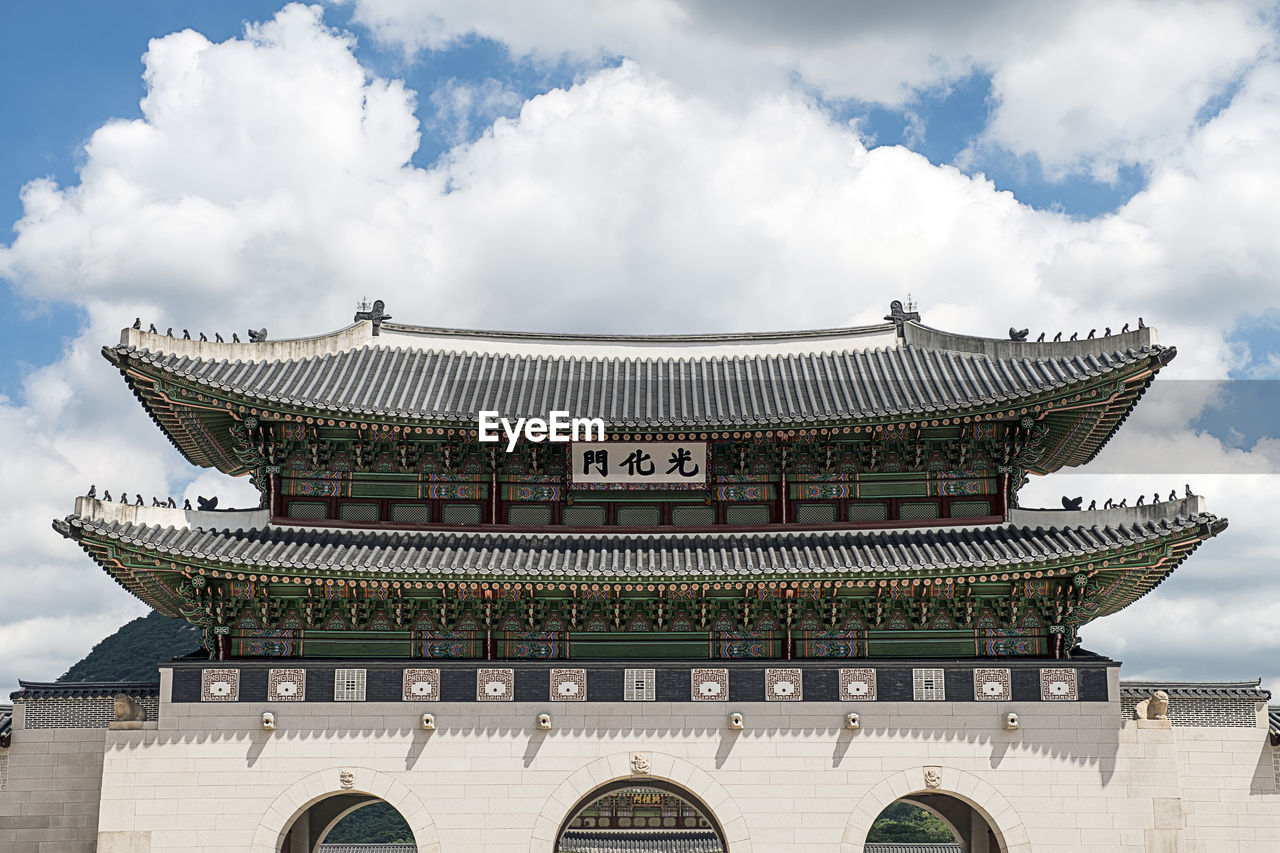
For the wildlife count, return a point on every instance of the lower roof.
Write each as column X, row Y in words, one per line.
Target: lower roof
column 1197, row 689
column 262, row 545
column 1130, row 550
column 29, row 690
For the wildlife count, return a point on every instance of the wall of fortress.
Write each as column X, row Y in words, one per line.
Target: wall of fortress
column 1075, row 775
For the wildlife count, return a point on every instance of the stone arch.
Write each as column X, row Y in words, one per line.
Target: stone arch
column 309, row 790
column 662, row 767
column 964, row 786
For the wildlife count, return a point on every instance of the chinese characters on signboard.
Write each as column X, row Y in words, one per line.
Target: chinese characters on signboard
column 639, row 463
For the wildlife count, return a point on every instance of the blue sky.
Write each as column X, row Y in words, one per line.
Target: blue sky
column 653, row 166
column 80, row 64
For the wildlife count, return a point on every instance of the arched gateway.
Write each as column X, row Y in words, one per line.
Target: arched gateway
column 640, row 817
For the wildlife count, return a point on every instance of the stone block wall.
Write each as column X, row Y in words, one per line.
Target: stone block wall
column 49, row 802
column 1073, row 776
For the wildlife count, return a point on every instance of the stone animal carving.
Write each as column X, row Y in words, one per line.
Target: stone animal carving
column 1154, row 707
column 128, row 709
column 640, row 764
column 1018, row 334
column 257, row 336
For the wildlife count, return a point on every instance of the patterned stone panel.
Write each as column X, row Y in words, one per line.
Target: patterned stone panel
column 639, row 685
column 495, row 685
column 568, row 685
column 421, row 685
column 80, row 713
column 783, row 685
column 709, row 685
column 1058, row 684
column 858, row 684
column 220, row 685
column 992, row 685
column 287, row 685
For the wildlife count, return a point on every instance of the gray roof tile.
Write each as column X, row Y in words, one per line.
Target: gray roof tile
column 755, row 389
column 813, row 554
column 1197, row 689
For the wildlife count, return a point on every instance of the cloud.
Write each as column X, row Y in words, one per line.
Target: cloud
column 1084, row 87
column 268, row 182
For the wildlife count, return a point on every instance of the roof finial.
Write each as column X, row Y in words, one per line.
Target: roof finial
column 1018, row 334
column 899, row 316
column 375, row 315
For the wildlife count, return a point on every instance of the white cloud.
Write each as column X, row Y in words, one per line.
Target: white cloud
column 1085, row 87
column 268, row 183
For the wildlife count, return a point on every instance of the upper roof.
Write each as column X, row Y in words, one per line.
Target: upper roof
column 895, row 370
column 6, row 724
column 1273, row 725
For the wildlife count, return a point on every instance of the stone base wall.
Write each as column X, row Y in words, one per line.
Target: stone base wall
column 1073, row 776
column 53, row 785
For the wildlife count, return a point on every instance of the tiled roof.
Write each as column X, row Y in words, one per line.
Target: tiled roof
column 6, row 724
column 83, row 689
column 638, row 841
column 1273, row 725
column 765, row 389
column 665, row 555
column 1197, row 689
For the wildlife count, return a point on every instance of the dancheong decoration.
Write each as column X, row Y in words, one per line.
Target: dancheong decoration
column 840, row 493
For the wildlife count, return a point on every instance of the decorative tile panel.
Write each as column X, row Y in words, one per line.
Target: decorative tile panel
column 639, row 685
column 286, row 685
column 710, row 685
column 220, row 685
column 1058, row 685
column 928, row 685
column 495, row 685
column 348, row 685
column 568, row 685
column 782, row 685
column 992, row 685
column 858, row 684
column 421, row 685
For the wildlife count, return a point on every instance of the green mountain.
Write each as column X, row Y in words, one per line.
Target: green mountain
column 133, row 652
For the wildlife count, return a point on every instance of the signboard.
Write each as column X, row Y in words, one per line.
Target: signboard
column 637, row 464
column 646, row 798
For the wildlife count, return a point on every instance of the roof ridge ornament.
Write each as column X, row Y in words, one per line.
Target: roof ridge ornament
column 899, row 316
column 375, row 314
